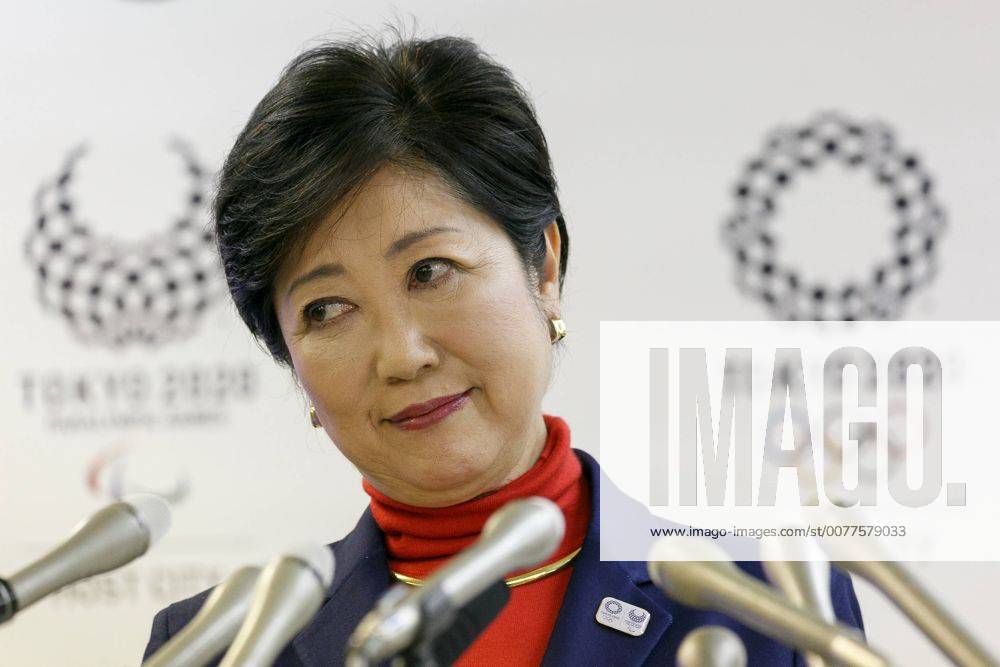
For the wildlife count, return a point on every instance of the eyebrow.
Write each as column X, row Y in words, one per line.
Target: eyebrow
column 398, row 246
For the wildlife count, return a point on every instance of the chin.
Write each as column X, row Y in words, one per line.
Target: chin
column 452, row 483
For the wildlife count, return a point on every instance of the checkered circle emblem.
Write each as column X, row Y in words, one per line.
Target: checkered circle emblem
column 117, row 293
column 789, row 154
column 636, row 617
column 613, row 606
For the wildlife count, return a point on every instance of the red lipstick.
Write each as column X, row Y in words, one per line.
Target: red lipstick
column 422, row 415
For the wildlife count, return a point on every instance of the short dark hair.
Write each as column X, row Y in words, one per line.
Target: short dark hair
column 342, row 110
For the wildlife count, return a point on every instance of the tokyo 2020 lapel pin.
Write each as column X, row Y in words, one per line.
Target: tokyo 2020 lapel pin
column 622, row 616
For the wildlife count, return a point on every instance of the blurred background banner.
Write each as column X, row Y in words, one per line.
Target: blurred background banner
column 722, row 161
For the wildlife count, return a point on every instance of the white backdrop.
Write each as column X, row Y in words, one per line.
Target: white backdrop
column 651, row 110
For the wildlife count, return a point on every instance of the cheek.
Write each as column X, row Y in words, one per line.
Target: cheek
column 504, row 338
column 331, row 377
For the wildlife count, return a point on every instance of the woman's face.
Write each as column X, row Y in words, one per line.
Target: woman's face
column 408, row 295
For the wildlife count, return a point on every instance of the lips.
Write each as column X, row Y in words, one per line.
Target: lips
column 418, row 409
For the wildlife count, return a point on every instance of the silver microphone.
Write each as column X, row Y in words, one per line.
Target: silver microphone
column 520, row 534
column 900, row 586
column 870, row 557
column 287, row 595
column 711, row 646
column 214, row 627
column 698, row 573
column 799, row 567
column 108, row 539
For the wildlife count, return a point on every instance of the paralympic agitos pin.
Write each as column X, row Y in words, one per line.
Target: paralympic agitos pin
column 622, row 616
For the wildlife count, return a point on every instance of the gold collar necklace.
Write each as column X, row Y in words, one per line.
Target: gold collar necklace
column 519, row 580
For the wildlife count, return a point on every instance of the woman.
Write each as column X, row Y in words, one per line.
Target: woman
column 390, row 230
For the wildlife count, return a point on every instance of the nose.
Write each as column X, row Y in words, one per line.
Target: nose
column 403, row 351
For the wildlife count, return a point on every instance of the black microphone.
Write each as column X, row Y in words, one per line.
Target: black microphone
column 470, row 622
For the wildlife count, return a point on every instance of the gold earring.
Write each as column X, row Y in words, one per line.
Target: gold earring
column 558, row 329
column 313, row 417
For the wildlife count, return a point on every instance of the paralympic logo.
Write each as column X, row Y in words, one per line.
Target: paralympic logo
column 116, row 293
column 107, row 477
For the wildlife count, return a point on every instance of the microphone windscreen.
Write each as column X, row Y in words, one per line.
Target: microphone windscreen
column 711, row 646
column 792, row 549
column 153, row 513
column 674, row 562
column 538, row 521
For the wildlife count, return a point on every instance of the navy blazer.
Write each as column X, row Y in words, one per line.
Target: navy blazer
column 362, row 576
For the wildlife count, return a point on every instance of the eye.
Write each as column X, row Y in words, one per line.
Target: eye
column 424, row 272
column 428, row 274
column 319, row 312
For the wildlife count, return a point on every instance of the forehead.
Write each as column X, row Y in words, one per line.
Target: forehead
column 393, row 202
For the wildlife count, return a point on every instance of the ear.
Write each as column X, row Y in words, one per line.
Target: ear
column 548, row 285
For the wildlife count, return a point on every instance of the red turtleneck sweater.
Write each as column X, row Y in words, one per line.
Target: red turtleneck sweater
column 420, row 539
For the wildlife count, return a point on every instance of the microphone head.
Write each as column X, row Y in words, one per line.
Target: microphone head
column 153, row 513
column 799, row 567
column 685, row 548
column 318, row 558
column 711, row 646
column 675, row 564
column 791, row 549
column 853, row 547
column 539, row 521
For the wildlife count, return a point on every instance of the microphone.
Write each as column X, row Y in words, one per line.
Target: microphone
column 214, row 627
column 711, row 646
column 110, row 538
column 698, row 574
column 447, row 647
column 520, row 534
column 800, row 568
column 287, row 595
column 903, row 589
column 871, row 559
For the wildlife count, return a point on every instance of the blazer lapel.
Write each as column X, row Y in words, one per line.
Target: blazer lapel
column 361, row 577
column 577, row 637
